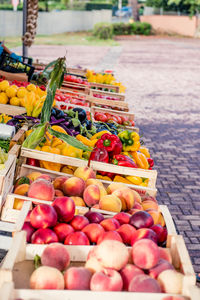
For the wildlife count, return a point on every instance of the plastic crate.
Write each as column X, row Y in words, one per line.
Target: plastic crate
column 8, row 64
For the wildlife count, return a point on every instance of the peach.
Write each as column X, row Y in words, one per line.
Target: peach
column 94, row 181
column 112, row 254
column 109, row 235
column 43, row 216
column 84, row 173
column 28, row 219
column 102, row 191
column 56, row 256
column 171, row 281
column 137, row 205
column 34, row 175
column 58, row 193
column 165, row 254
column 144, row 283
column 145, row 254
column 106, row 280
column 73, row 186
column 47, row 278
column 137, row 196
column 18, row 203
column 133, row 210
column 160, row 267
column 65, row 208
column 62, row 230
column 93, row 232
column 58, row 182
column 155, row 215
column 77, row 238
column 93, row 265
column 114, row 186
column 94, row 217
column 122, row 217
column 77, row 278
column 161, row 233
column 96, row 206
column 29, row 231
column 21, row 189
column 141, row 219
column 92, row 252
column 146, row 204
column 91, row 195
column 79, row 222
column 161, row 220
column 144, row 233
column 110, row 224
column 41, row 189
column 126, row 195
column 128, row 273
column 44, row 236
column 78, row 201
column 126, row 231
column 45, row 176
column 110, row 203
column 173, row 298
column 149, row 198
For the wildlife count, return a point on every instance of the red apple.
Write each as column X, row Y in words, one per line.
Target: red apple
column 79, row 222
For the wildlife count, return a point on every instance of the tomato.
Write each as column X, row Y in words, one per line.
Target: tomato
column 132, row 122
column 113, row 118
column 124, row 119
column 119, row 120
column 101, row 117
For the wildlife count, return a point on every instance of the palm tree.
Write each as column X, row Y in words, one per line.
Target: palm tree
column 134, row 4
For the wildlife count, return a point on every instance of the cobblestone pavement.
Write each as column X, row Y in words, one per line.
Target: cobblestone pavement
column 163, row 89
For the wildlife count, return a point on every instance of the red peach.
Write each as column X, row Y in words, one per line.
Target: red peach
column 149, row 198
column 122, row 217
column 128, row 273
column 145, row 254
column 145, row 284
column 77, row 278
column 58, row 182
column 93, row 232
column 161, row 266
column 79, row 222
column 65, row 208
column 91, row 195
column 165, row 254
column 62, row 230
column 45, row 176
column 47, row 278
column 94, row 217
column 126, row 231
column 28, row 219
column 56, row 256
column 161, row 233
column 106, row 280
column 141, row 219
column 78, row 201
column 84, row 173
column 41, row 189
column 109, row 235
column 92, row 252
column 137, row 205
column 77, row 238
column 132, row 211
column 44, row 236
column 58, row 193
column 94, row 265
column 144, row 233
column 110, row 224
column 73, row 186
column 43, row 216
column 148, row 204
column 29, row 231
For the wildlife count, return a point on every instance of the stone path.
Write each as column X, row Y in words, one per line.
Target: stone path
column 162, row 77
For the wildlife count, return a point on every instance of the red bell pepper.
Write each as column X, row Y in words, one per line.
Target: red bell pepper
column 151, row 162
column 101, row 155
column 111, row 143
column 124, row 161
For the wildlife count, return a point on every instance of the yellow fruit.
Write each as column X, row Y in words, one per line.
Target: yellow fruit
column 3, row 98
column 31, row 87
column 15, row 101
column 21, row 93
column 22, row 102
column 4, row 85
column 11, row 91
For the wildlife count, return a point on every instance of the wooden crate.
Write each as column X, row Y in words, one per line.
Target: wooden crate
column 13, row 76
column 12, row 110
column 76, row 86
column 109, row 87
column 19, row 137
column 114, row 104
column 18, row 266
column 119, row 96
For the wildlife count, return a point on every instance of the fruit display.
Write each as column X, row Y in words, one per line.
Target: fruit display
column 75, row 79
column 108, row 117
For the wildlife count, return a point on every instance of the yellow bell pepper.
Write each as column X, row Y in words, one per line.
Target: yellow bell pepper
column 86, row 141
column 50, row 165
column 145, row 151
column 134, row 179
column 121, row 179
column 71, row 151
column 98, row 135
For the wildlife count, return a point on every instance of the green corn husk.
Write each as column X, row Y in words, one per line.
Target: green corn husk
column 69, row 139
column 34, row 139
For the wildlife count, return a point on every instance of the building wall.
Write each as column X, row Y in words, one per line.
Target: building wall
column 53, row 22
column 183, row 25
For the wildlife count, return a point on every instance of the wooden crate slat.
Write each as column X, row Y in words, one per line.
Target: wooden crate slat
column 12, row 109
column 130, row 115
column 109, row 94
column 168, row 218
column 104, row 86
column 113, row 103
column 5, row 242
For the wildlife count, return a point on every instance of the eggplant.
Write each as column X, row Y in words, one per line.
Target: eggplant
column 57, row 122
column 81, row 114
column 60, row 114
column 53, row 112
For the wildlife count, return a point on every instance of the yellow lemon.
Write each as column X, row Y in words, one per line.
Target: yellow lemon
column 31, row 87
column 4, row 85
column 15, row 101
column 3, row 98
column 22, row 102
column 21, row 93
column 11, row 91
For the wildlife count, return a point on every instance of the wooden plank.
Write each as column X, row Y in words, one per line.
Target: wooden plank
column 14, row 76
column 194, row 293
column 130, row 115
column 108, row 94
column 5, row 242
column 109, row 87
column 15, row 150
column 11, row 109
column 168, row 220
column 112, row 103
column 19, row 137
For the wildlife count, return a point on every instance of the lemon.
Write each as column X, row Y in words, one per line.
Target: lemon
column 21, row 93
column 31, row 87
column 4, row 85
column 3, row 98
column 11, row 91
column 15, row 101
column 22, row 102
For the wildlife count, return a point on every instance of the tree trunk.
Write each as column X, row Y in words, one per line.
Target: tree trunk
column 134, row 4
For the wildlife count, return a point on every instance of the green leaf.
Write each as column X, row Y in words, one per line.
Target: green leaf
column 69, row 139
column 46, row 108
column 50, row 65
column 33, row 140
column 37, row 261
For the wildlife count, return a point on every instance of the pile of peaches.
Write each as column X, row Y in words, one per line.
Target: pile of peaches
column 110, row 266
